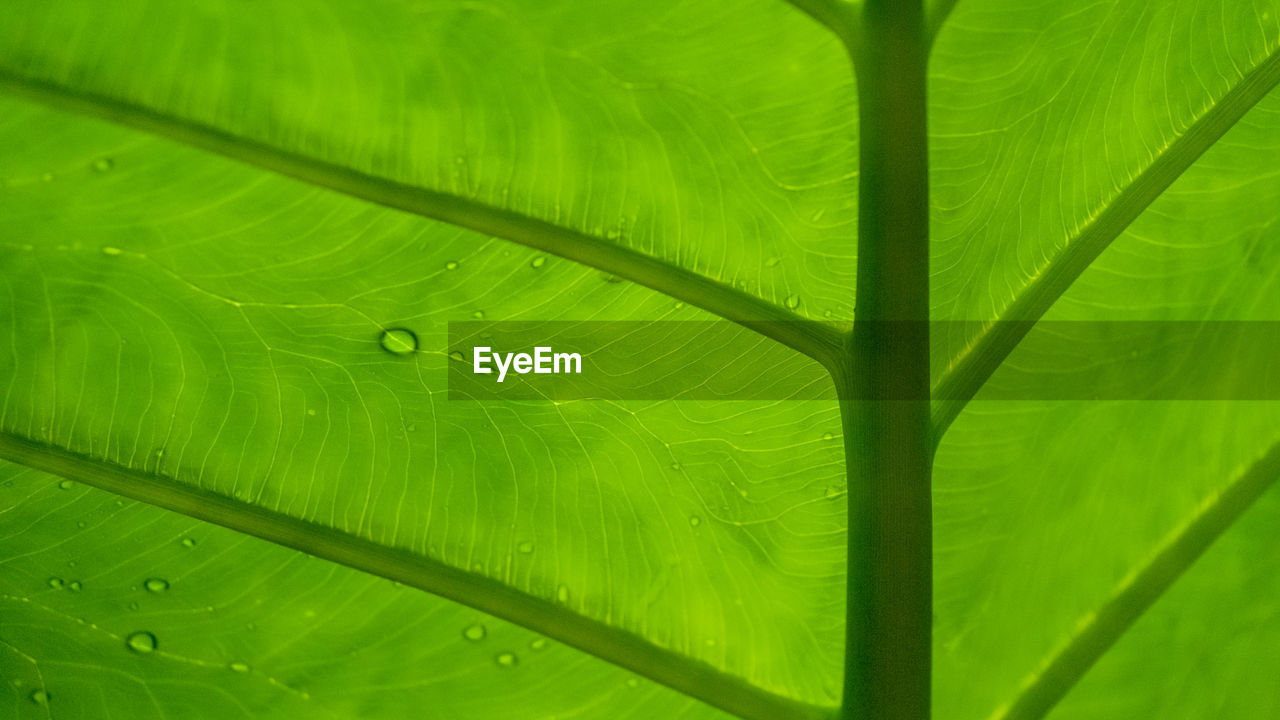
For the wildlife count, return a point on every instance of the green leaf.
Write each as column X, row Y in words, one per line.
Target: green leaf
column 234, row 236
column 281, row 339
column 247, row 629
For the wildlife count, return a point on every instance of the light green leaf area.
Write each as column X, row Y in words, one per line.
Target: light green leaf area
column 248, row 630
column 187, row 316
column 1052, row 123
column 1228, row 596
column 1048, row 511
column 718, row 138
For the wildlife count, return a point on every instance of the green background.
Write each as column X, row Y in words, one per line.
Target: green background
column 206, row 322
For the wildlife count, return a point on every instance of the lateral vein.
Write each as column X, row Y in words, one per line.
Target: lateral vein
column 958, row 385
column 615, row 645
column 816, row 339
column 1140, row 592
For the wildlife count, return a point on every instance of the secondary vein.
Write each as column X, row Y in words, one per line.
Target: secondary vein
column 815, row 339
column 681, row 673
column 1137, row 595
column 958, row 385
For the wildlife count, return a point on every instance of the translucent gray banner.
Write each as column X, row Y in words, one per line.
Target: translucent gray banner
column 559, row 361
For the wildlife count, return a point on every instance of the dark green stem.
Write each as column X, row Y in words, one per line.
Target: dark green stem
column 885, row 388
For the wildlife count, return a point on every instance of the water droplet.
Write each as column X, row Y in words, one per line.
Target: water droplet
column 455, row 355
column 133, row 606
column 399, row 341
column 679, row 306
column 827, row 313
column 103, row 164
column 141, row 642
column 311, row 411
column 675, row 466
column 562, row 593
column 771, row 262
column 65, row 485
column 155, row 585
column 188, row 542
column 474, row 632
column 827, row 436
column 792, row 302
column 831, row 493
column 55, row 583
column 632, row 682
column 238, row 667
column 412, row 427
column 818, row 215
column 507, row 659
column 525, row 547
column 479, row 314
column 695, row 521
column 538, row 262
column 47, row 177
column 451, row 265
column 537, row 643
column 112, row 251
column 39, row 696
column 74, row 586
column 81, row 524
column 610, row 278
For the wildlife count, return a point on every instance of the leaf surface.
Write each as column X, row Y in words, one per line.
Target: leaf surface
column 210, row 329
column 247, row 362
column 281, row 636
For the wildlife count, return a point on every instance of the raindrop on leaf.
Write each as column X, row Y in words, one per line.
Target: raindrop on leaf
column 141, row 642
column 399, row 341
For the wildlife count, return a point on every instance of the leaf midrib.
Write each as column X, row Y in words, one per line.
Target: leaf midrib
column 686, row 675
